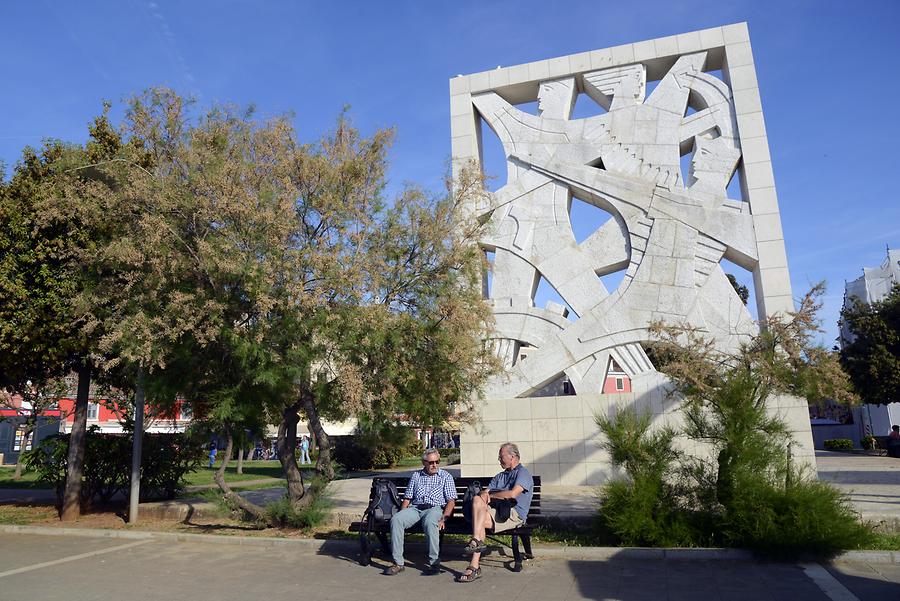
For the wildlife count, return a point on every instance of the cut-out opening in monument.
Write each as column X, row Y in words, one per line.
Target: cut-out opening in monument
column 735, row 189
column 585, row 218
column 493, row 158
column 615, row 380
column 649, row 87
column 586, row 107
column 612, row 281
column 685, row 164
column 530, row 107
column 545, row 293
column 744, row 278
column 487, row 273
column 695, row 103
column 559, row 385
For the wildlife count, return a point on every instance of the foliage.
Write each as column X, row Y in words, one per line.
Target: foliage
column 643, row 509
column 213, row 255
column 166, row 460
column 284, row 513
column 869, row 442
column 872, row 359
column 742, row 291
column 805, row 518
column 745, row 492
column 375, row 445
column 839, row 444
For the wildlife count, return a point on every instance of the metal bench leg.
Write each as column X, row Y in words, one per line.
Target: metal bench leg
column 385, row 545
column 365, row 551
column 526, row 544
column 517, row 555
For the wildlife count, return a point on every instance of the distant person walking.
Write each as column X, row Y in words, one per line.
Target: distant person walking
column 212, row 454
column 304, row 450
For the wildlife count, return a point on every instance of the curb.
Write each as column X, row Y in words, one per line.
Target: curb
column 351, row 546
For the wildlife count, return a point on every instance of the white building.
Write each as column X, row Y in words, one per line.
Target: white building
column 873, row 286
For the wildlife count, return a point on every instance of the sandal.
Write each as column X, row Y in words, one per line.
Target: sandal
column 393, row 570
column 471, row 574
column 474, row 546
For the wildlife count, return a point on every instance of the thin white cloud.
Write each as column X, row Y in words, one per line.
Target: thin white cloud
column 170, row 42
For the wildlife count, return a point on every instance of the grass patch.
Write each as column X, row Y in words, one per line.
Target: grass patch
column 28, row 481
column 20, row 516
column 882, row 541
column 253, row 470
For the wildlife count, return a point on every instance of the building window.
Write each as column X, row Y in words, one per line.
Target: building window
column 93, row 411
column 620, row 383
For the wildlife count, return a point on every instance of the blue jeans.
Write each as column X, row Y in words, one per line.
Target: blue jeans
column 408, row 518
column 304, row 456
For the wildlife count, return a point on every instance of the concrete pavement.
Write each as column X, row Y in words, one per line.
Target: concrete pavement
column 97, row 568
column 871, row 482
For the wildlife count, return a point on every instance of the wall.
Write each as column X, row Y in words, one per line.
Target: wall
column 557, row 436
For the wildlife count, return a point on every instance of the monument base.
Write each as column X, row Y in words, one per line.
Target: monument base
column 558, row 436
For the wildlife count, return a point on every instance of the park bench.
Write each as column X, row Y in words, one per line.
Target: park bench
column 456, row 524
column 891, row 448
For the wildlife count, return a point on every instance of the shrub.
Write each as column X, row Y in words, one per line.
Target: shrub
column 375, row 446
column 639, row 513
column 284, row 514
column 165, row 460
column 643, row 509
column 869, row 443
column 351, row 453
column 807, row 518
column 844, row 445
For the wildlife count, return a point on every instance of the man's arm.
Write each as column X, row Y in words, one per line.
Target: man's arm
column 410, row 491
column 503, row 494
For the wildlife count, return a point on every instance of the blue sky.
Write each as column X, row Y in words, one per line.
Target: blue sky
column 827, row 74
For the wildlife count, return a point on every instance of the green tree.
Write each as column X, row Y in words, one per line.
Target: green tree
column 50, row 226
column 727, row 393
column 872, row 358
column 742, row 291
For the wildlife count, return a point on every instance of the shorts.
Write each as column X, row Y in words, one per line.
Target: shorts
column 514, row 521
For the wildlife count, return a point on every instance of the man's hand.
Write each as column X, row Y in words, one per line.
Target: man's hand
column 485, row 496
column 441, row 522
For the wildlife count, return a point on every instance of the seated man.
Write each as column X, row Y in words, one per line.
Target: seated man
column 514, row 482
column 430, row 498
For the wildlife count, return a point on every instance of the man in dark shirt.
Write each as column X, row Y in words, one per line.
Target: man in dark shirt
column 514, row 482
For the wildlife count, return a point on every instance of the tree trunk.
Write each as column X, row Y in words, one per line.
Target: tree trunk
column 134, row 495
column 323, row 463
column 20, row 463
column 240, row 461
column 71, row 503
column 231, row 496
column 286, row 443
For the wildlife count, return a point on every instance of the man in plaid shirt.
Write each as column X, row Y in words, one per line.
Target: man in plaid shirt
column 429, row 500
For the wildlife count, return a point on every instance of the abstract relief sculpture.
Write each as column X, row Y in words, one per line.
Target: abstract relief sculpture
column 658, row 158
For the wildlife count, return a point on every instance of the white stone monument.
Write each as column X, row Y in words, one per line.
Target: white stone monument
column 659, row 163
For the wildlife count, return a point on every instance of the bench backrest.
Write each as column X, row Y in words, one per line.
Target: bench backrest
column 462, row 484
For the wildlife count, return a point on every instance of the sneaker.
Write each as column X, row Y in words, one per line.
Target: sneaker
column 393, row 570
column 432, row 569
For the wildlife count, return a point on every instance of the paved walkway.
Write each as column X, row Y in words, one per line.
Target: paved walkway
column 77, row 568
column 871, row 482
